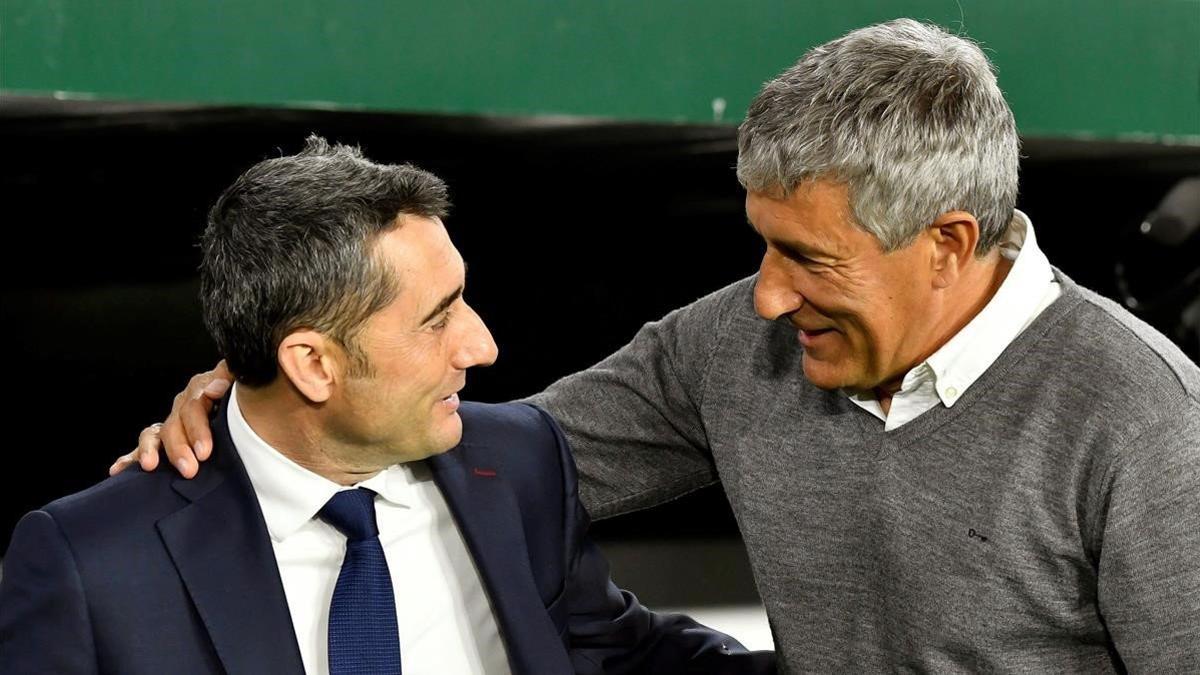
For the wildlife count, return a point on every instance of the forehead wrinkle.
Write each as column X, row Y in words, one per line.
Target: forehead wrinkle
column 831, row 242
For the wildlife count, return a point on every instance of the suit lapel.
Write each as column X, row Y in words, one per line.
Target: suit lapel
column 220, row 545
column 488, row 516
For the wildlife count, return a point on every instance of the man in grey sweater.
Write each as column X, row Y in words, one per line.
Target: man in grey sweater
column 942, row 453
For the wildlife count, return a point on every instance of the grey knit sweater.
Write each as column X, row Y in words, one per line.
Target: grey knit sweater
column 1048, row 522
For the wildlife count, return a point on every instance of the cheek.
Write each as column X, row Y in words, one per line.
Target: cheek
column 410, row 363
column 818, row 290
column 883, row 332
column 832, row 297
column 393, row 388
column 866, row 324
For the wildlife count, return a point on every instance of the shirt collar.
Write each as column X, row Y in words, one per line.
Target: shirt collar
column 291, row 495
column 967, row 355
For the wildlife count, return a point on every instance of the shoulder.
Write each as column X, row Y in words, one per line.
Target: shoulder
column 133, row 486
column 1107, row 389
column 520, row 436
column 739, row 294
column 719, row 326
column 718, row 308
column 1126, row 363
column 492, row 423
column 117, row 509
column 729, row 313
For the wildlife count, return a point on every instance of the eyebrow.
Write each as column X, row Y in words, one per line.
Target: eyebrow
column 790, row 249
column 796, row 252
column 446, row 301
column 441, row 306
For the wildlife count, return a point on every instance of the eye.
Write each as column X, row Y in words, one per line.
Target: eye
column 442, row 322
column 795, row 256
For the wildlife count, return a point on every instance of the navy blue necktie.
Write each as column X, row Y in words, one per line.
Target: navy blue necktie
column 363, row 637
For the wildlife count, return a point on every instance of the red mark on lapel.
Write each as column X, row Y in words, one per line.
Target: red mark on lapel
column 486, row 473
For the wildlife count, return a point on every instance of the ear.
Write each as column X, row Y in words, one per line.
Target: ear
column 308, row 359
column 955, row 235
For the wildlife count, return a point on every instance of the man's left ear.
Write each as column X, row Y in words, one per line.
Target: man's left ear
column 955, row 235
column 306, row 358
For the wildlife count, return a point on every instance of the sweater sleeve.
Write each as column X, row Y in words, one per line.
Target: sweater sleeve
column 1149, row 568
column 634, row 419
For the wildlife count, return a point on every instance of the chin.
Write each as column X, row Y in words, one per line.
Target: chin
column 441, row 436
column 449, row 433
column 823, row 375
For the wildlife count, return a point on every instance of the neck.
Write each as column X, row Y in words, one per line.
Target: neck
column 961, row 303
column 292, row 425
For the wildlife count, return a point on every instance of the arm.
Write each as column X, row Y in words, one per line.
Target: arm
column 610, row 632
column 634, row 419
column 1149, row 568
column 44, row 622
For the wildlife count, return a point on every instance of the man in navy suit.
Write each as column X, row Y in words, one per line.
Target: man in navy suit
column 357, row 518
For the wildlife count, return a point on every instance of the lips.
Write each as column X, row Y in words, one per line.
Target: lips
column 451, row 402
column 808, row 338
column 453, row 393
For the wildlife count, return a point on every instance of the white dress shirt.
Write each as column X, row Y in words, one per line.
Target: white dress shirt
column 445, row 618
column 1028, row 289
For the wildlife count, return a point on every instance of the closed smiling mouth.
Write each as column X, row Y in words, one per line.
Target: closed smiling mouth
column 808, row 336
column 451, row 398
column 451, row 402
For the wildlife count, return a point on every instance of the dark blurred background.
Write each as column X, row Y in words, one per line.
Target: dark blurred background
column 589, row 147
column 576, row 232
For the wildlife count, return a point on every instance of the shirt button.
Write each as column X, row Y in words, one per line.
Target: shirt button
column 951, row 392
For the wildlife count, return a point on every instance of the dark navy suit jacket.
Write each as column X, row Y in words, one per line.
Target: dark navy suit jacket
column 150, row 573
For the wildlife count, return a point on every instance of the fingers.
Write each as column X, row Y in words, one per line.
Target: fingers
column 193, row 415
column 221, row 372
column 185, row 434
column 123, row 462
column 194, row 412
column 175, row 442
column 145, row 454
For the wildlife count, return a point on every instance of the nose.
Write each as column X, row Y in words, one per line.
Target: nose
column 477, row 348
column 774, row 293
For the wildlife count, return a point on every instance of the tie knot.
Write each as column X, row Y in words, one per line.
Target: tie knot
column 352, row 512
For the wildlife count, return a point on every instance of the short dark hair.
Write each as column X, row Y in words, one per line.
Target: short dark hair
column 291, row 244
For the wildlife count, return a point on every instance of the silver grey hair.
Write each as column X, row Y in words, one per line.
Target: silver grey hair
column 908, row 116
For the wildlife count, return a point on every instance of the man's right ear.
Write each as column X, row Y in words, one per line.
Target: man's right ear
column 307, row 359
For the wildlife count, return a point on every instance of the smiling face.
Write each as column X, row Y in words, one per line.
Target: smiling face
column 864, row 317
column 418, row 349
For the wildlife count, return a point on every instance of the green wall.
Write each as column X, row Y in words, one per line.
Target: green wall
column 1111, row 69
